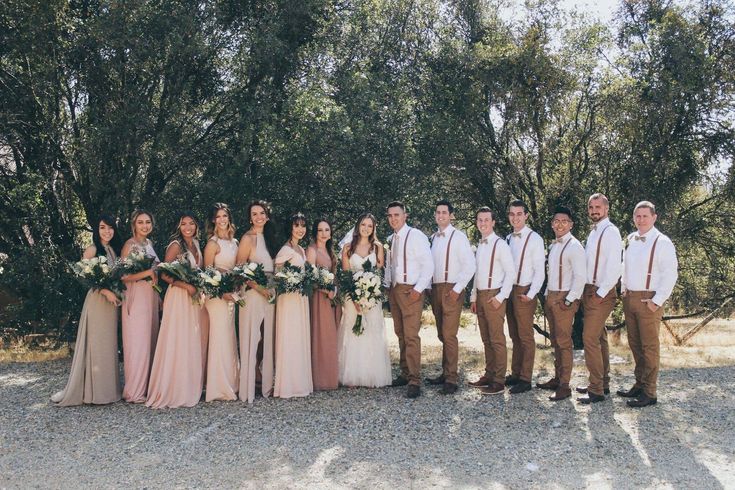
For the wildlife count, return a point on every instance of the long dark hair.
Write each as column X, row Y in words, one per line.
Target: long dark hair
column 116, row 242
column 356, row 233
column 294, row 219
column 330, row 249
column 269, row 229
column 176, row 236
column 213, row 215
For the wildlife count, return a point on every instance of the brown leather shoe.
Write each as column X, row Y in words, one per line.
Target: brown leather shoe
column 439, row 380
column 511, row 380
column 562, row 392
column 520, row 387
column 583, row 390
column 413, row 391
column 483, row 381
column 643, row 400
column 590, row 398
column 634, row 392
column 493, row 389
column 551, row 384
column 399, row 381
column 448, row 389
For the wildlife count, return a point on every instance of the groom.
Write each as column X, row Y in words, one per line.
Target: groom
column 408, row 273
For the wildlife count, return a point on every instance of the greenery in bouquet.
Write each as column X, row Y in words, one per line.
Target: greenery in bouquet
column 134, row 263
column 215, row 283
column 294, row 279
column 96, row 273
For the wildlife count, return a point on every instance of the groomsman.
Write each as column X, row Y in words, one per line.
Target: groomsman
column 527, row 248
column 604, row 251
column 408, row 273
column 492, row 286
column 454, row 266
column 649, row 275
column 567, row 275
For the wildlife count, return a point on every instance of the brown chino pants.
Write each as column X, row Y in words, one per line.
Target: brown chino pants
column 561, row 320
column 406, row 315
column 643, row 328
column 520, row 327
column 447, row 312
column 594, row 335
column 491, row 322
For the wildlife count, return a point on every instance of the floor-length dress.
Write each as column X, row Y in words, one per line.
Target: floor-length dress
column 95, row 370
column 140, row 307
column 364, row 360
column 324, row 368
column 293, row 347
column 257, row 311
column 176, row 374
column 222, row 361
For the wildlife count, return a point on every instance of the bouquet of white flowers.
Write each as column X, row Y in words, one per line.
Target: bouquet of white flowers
column 182, row 270
column 96, row 273
column 293, row 279
column 136, row 261
column 363, row 288
column 216, row 284
column 323, row 278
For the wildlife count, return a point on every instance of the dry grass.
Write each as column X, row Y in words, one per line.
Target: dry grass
column 20, row 351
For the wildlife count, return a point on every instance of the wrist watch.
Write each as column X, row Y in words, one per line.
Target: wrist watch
column 567, row 302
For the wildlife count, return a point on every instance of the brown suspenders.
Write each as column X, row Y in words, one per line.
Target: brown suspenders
column 650, row 263
column 561, row 262
column 446, row 258
column 492, row 264
column 523, row 255
column 405, row 262
column 597, row 255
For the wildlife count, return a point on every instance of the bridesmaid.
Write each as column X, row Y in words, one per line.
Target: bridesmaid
column 222, row 362
column 324, row 367
column 293, row 350
column 140, row 307
column 257, row 316
column 95, row 374
column 176, row 375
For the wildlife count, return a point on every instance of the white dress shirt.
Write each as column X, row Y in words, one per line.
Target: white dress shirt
column 533, row 272
column 461, row 266
column 503, row 271
column 610, row 263
column 664, row 272
column 419, row 263
column 573, row 267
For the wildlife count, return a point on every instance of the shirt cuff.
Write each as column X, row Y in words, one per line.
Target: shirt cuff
column 602, row 293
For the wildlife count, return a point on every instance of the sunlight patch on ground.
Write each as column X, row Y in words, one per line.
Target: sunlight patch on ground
column 626, row 421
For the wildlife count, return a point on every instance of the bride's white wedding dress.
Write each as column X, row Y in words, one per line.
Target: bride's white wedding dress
column 364, row 360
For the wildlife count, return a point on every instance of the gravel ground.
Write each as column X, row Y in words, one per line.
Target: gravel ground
column 373, row 438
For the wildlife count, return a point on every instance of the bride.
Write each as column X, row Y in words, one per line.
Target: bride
column 364, row 359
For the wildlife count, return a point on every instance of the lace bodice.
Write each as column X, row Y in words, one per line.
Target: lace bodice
column 225, row 259
column 356, row 261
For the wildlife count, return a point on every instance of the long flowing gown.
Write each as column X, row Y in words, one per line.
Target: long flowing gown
column 95, row 371
column 364, row 360
column 293, row 347
column 140, row 307
column 257, row 312
column 324, row 368
column 222, row 361
column 176, row 375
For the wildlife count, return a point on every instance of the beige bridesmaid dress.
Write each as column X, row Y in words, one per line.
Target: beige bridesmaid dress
column 257, row 313
column 293, row 345
column 95, row 371
column 222, row 361
column 176, row 375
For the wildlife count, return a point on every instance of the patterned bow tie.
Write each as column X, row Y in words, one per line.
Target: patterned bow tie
column 594, row 227
column 484, row 240
column 558, row 240
column 441, row 233
column 641, row 238
column 517, row 235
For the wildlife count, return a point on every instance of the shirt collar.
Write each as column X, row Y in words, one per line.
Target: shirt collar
column 447, row 230
column 491, row 237
column 402, row 231
column 601, row 224
column 650, row 233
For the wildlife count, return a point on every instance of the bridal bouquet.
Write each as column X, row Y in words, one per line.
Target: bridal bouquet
column 136, row 262
column 363, row 288
column 293, row 279
column 216, row 284
column 96, row 273
column 182, row 270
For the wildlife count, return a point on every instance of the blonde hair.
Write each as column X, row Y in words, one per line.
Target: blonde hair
column 137, row 213
column 213, row 216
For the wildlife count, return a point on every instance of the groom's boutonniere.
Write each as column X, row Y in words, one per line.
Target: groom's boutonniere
column 386, row 247
column 626, row 242
column 474, row 249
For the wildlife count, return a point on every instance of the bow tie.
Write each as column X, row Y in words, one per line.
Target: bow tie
column 441, row 233
column 641, row 238
column 558, row 240
column 517, row 235
column 594, row 227
column 484, row 240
